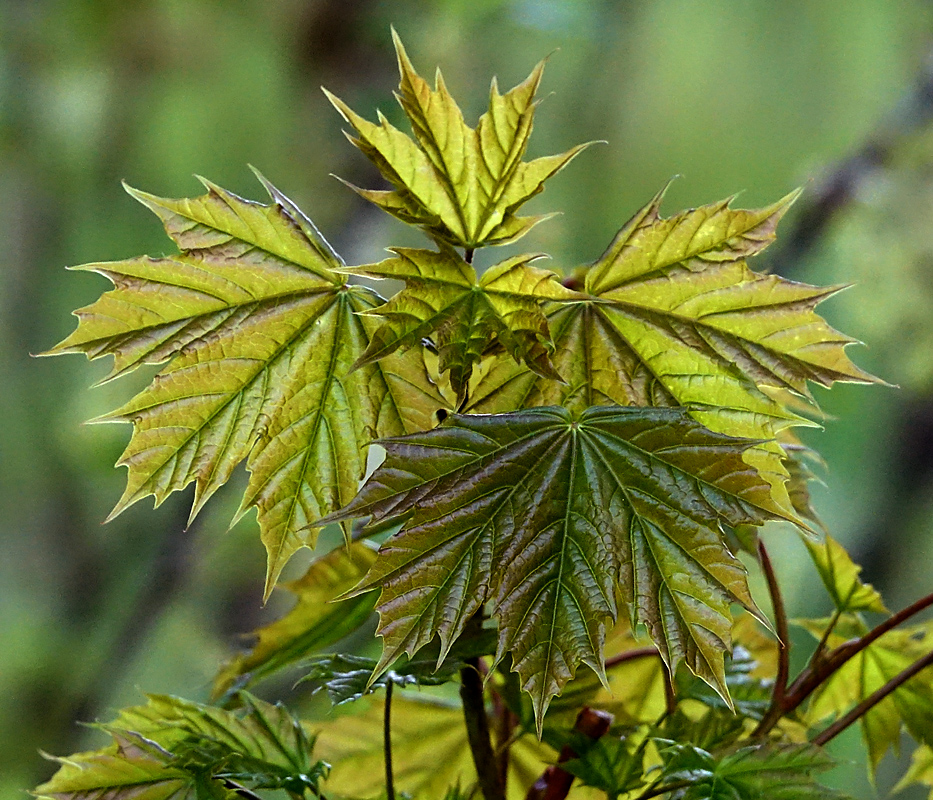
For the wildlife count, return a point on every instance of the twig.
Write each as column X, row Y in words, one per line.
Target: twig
column 824, row 639
column 477, row 725
column 873, row 699
column 387, row 740
column 776, row 708
column 631, row 655
column 555, row 783
column 816, row 674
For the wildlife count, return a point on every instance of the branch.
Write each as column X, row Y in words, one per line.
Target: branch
column 776, row 708
column 477, row 725
column 816, row 674
column 555, row 783
column 840, row 185
column 873, row 699
column 387, row 740
column 631, row 655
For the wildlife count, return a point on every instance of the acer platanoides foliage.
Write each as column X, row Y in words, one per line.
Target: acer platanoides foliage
column 611, row 423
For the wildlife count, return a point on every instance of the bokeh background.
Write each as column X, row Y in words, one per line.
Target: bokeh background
column 754, row 96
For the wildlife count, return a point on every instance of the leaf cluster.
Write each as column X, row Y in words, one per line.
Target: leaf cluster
column 574, row 464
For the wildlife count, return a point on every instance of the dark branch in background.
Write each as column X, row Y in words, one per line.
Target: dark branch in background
column 820, row 206
column 873, row 699
column 477, row 725
column 776, row 709
column 555, row 783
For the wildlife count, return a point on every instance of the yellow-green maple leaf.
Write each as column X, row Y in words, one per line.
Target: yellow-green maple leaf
column 461, row 184
column 444, row 300
column 676, row 317
column 260, row 332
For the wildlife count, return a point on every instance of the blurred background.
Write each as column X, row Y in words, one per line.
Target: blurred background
column 755, row 97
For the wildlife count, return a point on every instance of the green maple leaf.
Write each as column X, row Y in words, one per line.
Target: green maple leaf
column 260, row 332
column 781, row 772
column 920, row 771
column 132, row 768
column 460, row 184
column 840, row 576
column 444, row 299
column 317, row 620
column 910, row 705
column 430, row 751
column 547, row 514
column 677, row 318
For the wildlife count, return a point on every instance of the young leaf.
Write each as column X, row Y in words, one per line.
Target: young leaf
column 262, row 746
column 678, row 318
column 444, row 300
column 132, row 768
column 546, row 514
column 461, row 185
column 778, row 772
column 910, row 706
column 613, row 765
column 920, row 771
column 316, row 621
column 430, row 752
column 840, row 576
column 260, row 333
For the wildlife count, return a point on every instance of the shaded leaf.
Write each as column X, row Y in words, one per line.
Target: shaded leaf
column 346, row 677
column 778, row 772
column 547, row 514
column 920, row 771
column 611, row 764
column 444, row 300
column 840, row 576
column 260, row 333
column 910, row 706
column 678, row 318
column 315, row 622
column 460, row 184
column 132, row 768
column 261, row 745
column 430, row 752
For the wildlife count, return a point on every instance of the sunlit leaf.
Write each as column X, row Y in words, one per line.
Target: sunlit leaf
column 678, row 318
column 547, row 514
column 840, row 576
column 430, row 752
column 443, row 300
column 260, row 334
column 132, row 768
column 910, row 706
column 315, row 622
column 460, row 184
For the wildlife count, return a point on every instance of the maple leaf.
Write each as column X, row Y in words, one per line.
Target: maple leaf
column 782, row 772
column 460, row 184
column 910, row 705
column 677, row 318
column 260, row 332
column 444, row 299
column 430, row 751
column 840, row 576
column 546, row 514
column 317, row 619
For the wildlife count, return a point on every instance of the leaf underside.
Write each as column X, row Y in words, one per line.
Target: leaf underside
column 546, row 515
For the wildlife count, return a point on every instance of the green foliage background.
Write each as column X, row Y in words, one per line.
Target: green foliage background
column 755, row 95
